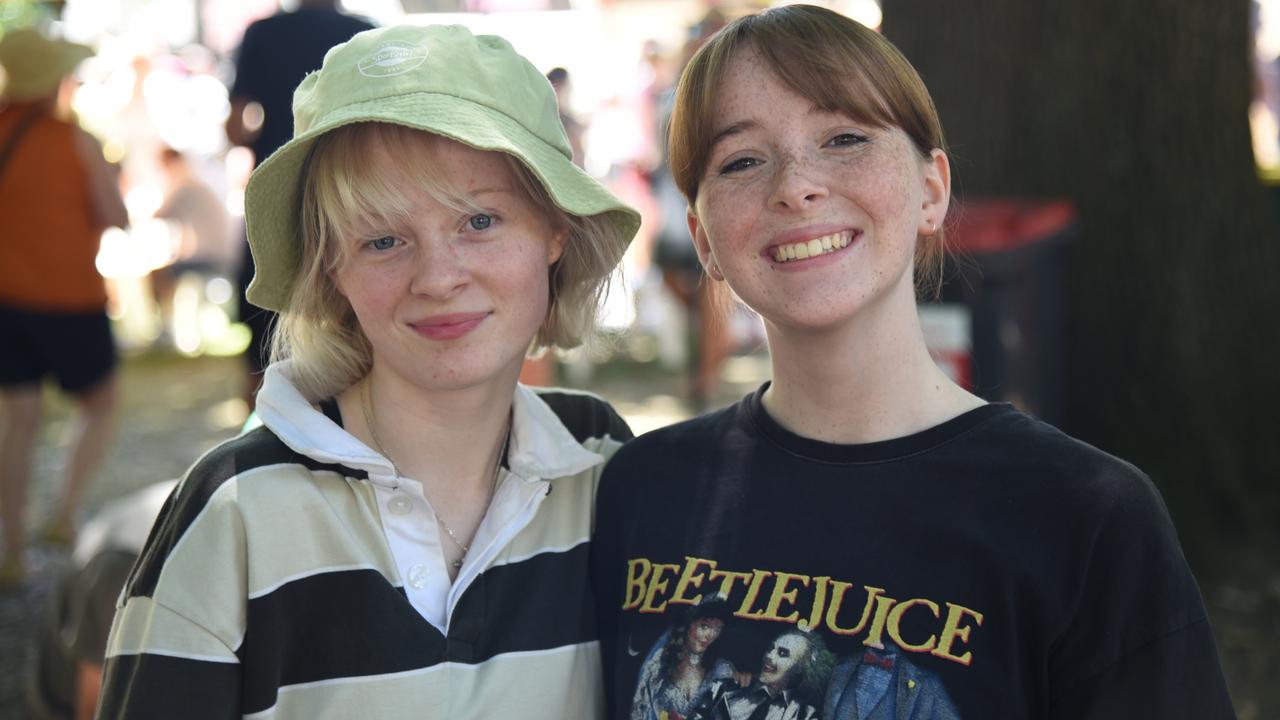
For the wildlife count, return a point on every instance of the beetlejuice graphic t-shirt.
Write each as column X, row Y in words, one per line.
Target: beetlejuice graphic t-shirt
column 988, row 567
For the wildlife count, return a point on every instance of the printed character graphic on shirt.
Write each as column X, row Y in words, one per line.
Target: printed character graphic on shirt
column 875, row 632
column 880, row 683
column 793, row 674
column 683, row 666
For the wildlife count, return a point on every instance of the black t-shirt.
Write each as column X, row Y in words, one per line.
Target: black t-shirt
column 274, row 56
column 988, row 567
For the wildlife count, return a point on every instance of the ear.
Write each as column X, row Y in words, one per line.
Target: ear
column 936, row 198
column 555, row 247
column 335, row 279
column 703, row 246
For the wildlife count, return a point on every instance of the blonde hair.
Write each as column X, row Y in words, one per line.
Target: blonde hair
column 834, row 62
column 319, row 331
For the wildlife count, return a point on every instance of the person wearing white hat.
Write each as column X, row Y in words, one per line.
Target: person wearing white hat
column 407, row 535
column 57, row 195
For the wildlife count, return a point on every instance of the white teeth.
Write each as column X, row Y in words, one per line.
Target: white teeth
column 812, row 248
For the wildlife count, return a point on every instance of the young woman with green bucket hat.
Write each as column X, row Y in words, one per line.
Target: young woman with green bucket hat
column 407, row 534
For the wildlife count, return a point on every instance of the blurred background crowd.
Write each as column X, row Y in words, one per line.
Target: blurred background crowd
column 1068, row 279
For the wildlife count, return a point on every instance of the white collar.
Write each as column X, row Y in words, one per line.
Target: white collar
column 541, row 446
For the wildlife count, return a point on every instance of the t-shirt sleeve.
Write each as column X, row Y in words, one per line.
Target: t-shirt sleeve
column 174, row 640
column 159, row 682
column 1139, row 643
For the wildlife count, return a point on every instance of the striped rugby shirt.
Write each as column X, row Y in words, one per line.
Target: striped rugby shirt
column 291, row 575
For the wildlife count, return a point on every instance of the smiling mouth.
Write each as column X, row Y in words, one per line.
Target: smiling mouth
column 812, row 248
column 448, row 327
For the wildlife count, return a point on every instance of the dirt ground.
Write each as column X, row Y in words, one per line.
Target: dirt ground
column 175, row 408
column 1243, row 596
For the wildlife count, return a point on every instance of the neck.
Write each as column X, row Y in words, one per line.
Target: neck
column 440, row 437
column 867, row 380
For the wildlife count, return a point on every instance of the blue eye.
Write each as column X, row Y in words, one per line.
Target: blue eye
column 386, row 242
column 480, row 222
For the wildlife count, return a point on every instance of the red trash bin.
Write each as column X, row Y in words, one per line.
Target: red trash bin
column 1003, row 294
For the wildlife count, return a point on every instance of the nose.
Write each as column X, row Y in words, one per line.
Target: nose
column 798, row 185
column 441, row 271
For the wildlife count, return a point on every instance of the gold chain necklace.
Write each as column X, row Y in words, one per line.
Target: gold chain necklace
column 366, row 404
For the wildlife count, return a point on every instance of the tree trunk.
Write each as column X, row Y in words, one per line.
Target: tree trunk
column 1136, row 112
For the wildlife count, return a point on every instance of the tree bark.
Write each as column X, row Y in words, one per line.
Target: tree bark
column 1137, row 112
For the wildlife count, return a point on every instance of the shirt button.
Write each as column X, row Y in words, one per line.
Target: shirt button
column 400, row 505
column 418, row 576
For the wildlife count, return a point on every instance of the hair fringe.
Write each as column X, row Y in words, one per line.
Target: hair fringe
column 320, row 333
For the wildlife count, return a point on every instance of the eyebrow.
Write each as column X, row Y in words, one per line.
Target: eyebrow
column 744, row 125
column 487, row 190
column 473, row 197
column 734, row 129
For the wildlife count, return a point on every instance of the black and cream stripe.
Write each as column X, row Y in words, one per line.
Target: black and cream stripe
column 268, row 590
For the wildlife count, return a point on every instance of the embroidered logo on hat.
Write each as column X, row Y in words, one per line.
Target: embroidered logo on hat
column 393, row 58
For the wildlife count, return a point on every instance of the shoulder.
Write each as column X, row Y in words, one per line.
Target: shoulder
column 357, row 23
column 256, row 30
column 1024, row 453
column 267, row 24
column 1094, row 509
column 661, row 466
column 55, row 130
column 651, row 666
column 259, row 448
column 585, row 415
column 210, row 495
column 64, row 143
column 723, row 670
column 329, row 21
column 685, row 440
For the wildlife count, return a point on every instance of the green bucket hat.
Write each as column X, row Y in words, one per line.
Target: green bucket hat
column 442, row 79
column 34, row 64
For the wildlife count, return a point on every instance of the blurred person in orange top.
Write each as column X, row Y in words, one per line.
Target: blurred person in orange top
column 57, row 195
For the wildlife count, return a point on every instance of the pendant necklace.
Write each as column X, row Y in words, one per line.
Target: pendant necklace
column 366, row 404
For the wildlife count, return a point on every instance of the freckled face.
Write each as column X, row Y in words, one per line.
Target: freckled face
column 811, row 217
column 702, row 633
column 781, row 659
column 447, row 298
